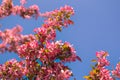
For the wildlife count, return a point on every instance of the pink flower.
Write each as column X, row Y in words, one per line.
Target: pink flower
column 67, row 9
column 102, row 61
column 11, row 37
column 101, row 54
column 66, row 73
column 116, row 72
column 22, row 50
column 105, row 74
column 23, row 2
column 28, row 50
column 34, row 7
column 12, row 68
column 33, row 44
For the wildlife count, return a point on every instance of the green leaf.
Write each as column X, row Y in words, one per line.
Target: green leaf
column 86, row 77
column 94, row 60
column 46, row 50
column 37, row 36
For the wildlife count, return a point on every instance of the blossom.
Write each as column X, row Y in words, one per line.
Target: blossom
column 7, row 8
column 59, row 17
column 116, row 72
column 10, row 38
column 35, row 8
column 66, row 74
column 23, row 2
column 105, row 74
column 102, row 61
column 99, row 71
column 67, row 8
column 11, row 69
column 39, row 52
column 44, row 34
column 28, row 50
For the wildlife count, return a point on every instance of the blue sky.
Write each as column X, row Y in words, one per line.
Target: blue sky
column 96, row 27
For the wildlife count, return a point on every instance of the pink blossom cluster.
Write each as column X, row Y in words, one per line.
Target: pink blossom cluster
column 99, row 72
column 28, row 50
column 54, row 20
column 7, row 8
column 23, row 2
column 116, row 72
column 63, row 51
column 43, row 57
column 56, row 72
column 104, row 73
column 66, row 10
column 26, row 12
column 101, row 59
column 10, row 38
column 45, row 34
column 52, row 51
column 58, row 18
column 11, row 70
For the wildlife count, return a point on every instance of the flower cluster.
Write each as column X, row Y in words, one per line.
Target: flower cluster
column 54, row 20
column 58, row 18
column 11, row 70
column 28, row 50
column 26, row 12
column 42, row 58
column 52, row 51
column 99, row 72
column 105, row 74
column 116, row 72
column 7, row 8
column 101, row 59
column 55, row 72
column 47, row 56
column 45, row 34
column 62, row 51
column 23, row 2
column 10, row 38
